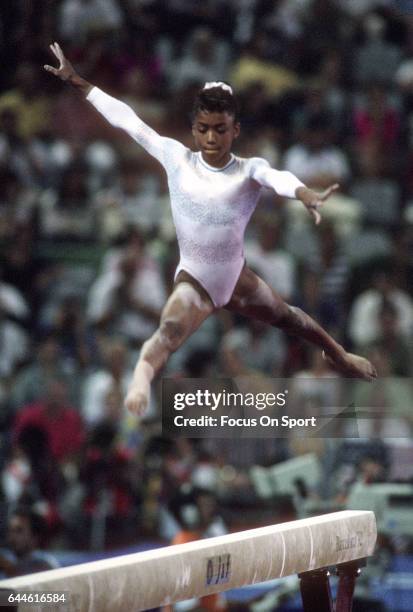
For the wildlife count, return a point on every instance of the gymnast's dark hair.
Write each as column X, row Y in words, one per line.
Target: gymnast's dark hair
column 215, row 100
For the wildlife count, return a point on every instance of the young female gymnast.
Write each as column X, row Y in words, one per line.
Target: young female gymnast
column 213, row 195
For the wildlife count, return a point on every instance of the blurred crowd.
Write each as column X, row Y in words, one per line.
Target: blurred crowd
column 88, row 248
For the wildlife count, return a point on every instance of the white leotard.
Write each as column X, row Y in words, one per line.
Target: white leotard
column 210, row 206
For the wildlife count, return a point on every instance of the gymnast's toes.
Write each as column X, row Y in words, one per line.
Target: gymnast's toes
column 353, row 366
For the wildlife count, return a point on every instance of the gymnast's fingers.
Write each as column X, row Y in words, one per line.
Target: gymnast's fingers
column 327, row 193
column 53, row 50
column 313, row 210
column 59, row 51
column 316, row 216
column 51, row 69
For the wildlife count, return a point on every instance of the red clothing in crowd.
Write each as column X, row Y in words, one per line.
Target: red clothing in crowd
column 65, row 429
column 385, row 129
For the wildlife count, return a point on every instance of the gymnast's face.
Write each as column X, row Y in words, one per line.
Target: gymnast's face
column 214, row 134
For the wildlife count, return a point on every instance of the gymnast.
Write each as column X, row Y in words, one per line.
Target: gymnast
column 213, row 195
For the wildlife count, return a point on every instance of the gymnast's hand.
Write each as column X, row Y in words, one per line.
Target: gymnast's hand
column 314, row 201
column 66, row 72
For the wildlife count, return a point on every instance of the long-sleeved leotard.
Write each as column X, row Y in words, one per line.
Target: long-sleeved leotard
column 210, row 206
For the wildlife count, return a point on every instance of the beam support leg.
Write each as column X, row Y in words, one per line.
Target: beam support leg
column 315, row 591
column 347, row 575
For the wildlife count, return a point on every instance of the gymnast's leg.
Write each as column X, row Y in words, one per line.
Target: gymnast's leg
column 253, row 298
column 187, row 307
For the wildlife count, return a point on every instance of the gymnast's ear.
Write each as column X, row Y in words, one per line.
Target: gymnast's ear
column 237, row 129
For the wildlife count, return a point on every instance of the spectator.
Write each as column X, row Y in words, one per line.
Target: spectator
column 267, row 257
column 66, row 213
column 23, row 267
column 138, row 92
column 403, row 250
column 376, row 125
column 15, row 345
column 316, row 387
column 290, row 16
column 371, row 471
column 391, row 342
column 254, row 66
column 233, row 352
column 77, row 18
column 139, row 57
column 32, row 474
column 261, row 349
column 26, row 530
column 65, row 322
column 50, row 156
column 12, row 303
column 376, row 59
column 14, row 150
column 211, row 522
column 203, row 60
column 363, row 321
column 47, row 364
column 110, row 489
column 126, row 299
column 323, row 96
column 30, row 108
column 113, row 376
column 131, row 203
column 60, row 422
column 326, row 280
column 17, row 475
column 390, row 400
column 183, row 16
column 14, row 201
column 101, row 51
column 376, row 119
column 316, row 161
column 358, row 8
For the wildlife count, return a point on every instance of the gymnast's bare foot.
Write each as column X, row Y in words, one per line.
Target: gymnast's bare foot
column 136, row 401
column 352, row 366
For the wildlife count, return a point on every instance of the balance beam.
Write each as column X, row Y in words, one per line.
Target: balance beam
column 163, row 576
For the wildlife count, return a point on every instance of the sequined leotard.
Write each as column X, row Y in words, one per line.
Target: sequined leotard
column 210, row 206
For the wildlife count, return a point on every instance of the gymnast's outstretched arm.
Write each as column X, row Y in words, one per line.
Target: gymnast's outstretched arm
column 286, row 184
column 116, row 112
